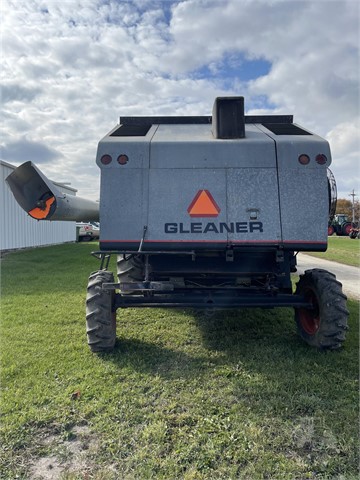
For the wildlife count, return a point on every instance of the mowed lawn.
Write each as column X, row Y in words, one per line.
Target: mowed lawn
column 343, row 250
column 236, row 395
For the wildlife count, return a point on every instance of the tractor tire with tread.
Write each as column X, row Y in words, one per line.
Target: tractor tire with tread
column 346, row 228
column 324, row 326
column 331, row 230
column 129, row 268
column 100, row 313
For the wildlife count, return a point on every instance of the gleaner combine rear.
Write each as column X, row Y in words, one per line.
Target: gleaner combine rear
column 204, row 212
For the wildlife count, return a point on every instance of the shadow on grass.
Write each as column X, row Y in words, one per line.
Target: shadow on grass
column 153, row 359
column 269, row 335
column 237, row 334
column 269, row 362
column 233, row 329
column 258, row 355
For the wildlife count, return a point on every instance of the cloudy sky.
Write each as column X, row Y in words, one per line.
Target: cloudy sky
column 72, row 67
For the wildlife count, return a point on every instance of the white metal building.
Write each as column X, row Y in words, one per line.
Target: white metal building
column 19, row 230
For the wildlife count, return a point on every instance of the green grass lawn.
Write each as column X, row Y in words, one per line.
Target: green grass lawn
column 341, row 249
column 184, row 396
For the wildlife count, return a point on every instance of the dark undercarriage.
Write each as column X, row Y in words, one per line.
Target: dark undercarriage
column 229, row 279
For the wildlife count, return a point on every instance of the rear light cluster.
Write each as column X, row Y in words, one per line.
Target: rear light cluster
column 304, row 159
column 122, row 159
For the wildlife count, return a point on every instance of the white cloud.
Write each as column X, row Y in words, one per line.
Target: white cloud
column 345, row 138
column 71, row 68
column 345, row 147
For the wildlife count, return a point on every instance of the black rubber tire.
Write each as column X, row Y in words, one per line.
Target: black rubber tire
column 353, row 234
column 100, row 313
column 130, row 268
column 345, row 228
column 325, row 326
column 331, row 230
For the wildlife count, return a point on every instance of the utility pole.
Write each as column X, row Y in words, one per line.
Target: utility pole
column 353, row 195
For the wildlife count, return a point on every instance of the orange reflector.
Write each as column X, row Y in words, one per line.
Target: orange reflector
column 203, row 205
column 41, row 213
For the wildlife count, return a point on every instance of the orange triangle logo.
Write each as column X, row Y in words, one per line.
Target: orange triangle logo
column 203, row 205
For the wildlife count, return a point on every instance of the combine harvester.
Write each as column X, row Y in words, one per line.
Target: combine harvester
column 204, row 212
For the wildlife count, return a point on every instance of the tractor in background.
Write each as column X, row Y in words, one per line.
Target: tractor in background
column 341, row 225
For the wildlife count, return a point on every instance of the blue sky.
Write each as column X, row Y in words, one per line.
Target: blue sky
column 232, row 66
column 71, row 68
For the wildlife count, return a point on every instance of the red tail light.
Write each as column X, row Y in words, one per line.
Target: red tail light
column 106, row 159
column 321, row 159
column 304, row 159
column 123, row 159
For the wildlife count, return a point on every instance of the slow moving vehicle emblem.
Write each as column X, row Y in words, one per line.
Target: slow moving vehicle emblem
column 203, row 205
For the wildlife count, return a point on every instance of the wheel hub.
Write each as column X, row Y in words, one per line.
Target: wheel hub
column 310, row 318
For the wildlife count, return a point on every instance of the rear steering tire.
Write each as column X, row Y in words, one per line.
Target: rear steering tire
column 129, row 269
column 324, row 326
column 100, row 313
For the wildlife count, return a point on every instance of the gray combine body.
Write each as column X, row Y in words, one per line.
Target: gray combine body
column 206, row 212
column 264, row 196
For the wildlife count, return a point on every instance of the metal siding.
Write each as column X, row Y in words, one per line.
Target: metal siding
column 167, row 168
column 193, row 146
column 124, row 204
column 303, row 189
column 18, row 230
column 256, row 177
column 170, row 194
column 254, row 192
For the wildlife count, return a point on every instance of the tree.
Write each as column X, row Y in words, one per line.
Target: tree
column 345, row 206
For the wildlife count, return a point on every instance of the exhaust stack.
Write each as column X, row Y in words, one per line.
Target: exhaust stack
column 43, row 200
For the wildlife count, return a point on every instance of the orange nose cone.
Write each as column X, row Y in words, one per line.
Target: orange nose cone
column 41, row 213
